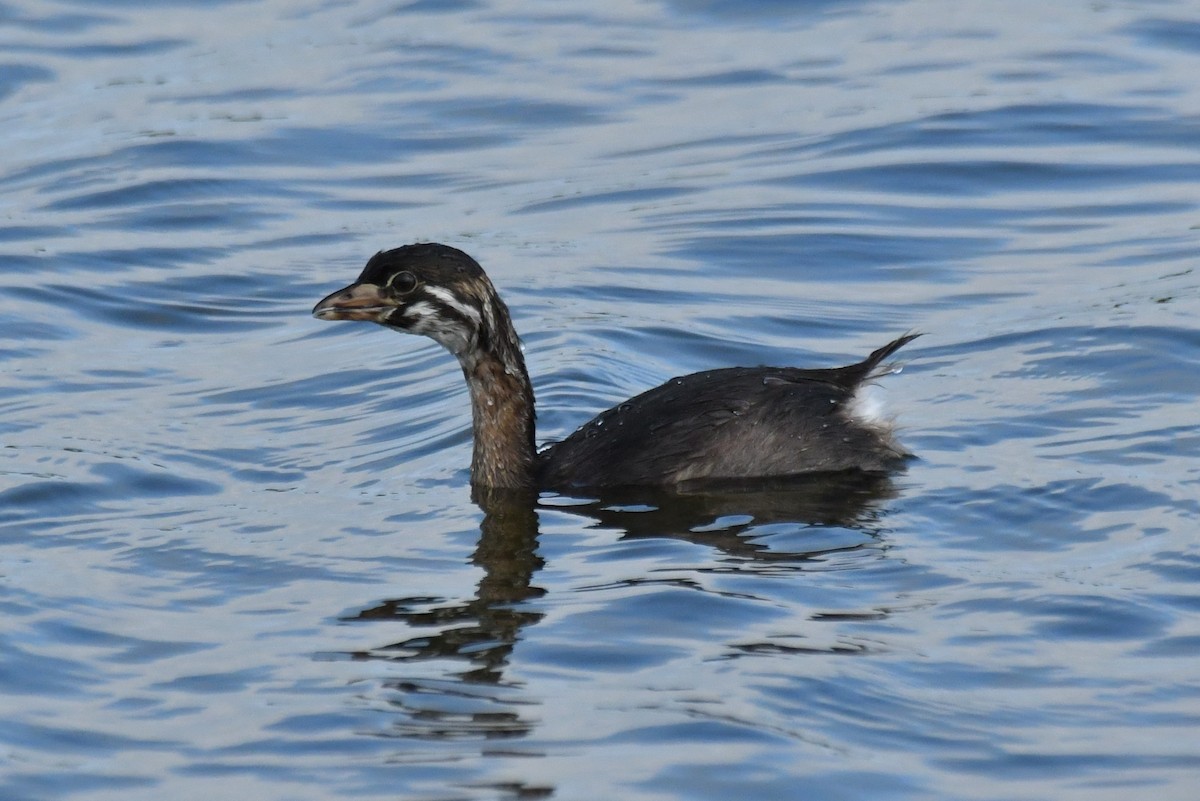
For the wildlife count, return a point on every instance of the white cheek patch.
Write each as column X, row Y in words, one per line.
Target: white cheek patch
column 418, row 314
column 447, row 298
column 422, row 318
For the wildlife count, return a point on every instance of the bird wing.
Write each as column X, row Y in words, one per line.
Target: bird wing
column 731, row 422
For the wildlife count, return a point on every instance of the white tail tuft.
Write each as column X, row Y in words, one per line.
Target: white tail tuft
column 867, row 407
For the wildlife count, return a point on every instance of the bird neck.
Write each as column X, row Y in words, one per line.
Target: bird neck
column 502, row 415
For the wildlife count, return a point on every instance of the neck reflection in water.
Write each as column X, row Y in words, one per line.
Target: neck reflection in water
column 481, row 633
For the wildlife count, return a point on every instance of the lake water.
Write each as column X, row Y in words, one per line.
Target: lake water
column 238, row 552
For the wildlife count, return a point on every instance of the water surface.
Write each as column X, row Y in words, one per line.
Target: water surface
column 238, row 552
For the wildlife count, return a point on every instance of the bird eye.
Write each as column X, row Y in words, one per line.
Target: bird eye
column 403, row 282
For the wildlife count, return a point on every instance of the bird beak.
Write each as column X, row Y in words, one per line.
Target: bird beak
column 355, row 302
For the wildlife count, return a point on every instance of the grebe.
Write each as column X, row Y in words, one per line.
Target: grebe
column 736, row 423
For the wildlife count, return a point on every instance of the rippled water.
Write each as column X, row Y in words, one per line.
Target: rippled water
column 238, row 554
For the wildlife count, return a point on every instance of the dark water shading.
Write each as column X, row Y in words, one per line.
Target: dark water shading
column 480, row 641
column 725, row 515
column 738, row 521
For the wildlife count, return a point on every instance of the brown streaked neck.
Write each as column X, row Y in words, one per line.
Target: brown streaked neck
column 502, row 417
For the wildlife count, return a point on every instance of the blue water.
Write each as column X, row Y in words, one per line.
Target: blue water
column 238, row 553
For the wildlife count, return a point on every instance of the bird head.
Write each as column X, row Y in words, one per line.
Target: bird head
column 428, row 289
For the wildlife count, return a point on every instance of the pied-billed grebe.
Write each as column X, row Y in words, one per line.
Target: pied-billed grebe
column 736, row 423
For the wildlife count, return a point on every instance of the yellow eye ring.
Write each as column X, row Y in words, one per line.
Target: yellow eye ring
column 403, row 282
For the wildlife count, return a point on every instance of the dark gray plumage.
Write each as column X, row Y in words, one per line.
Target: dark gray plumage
column 732, row 423
column 736, row 423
